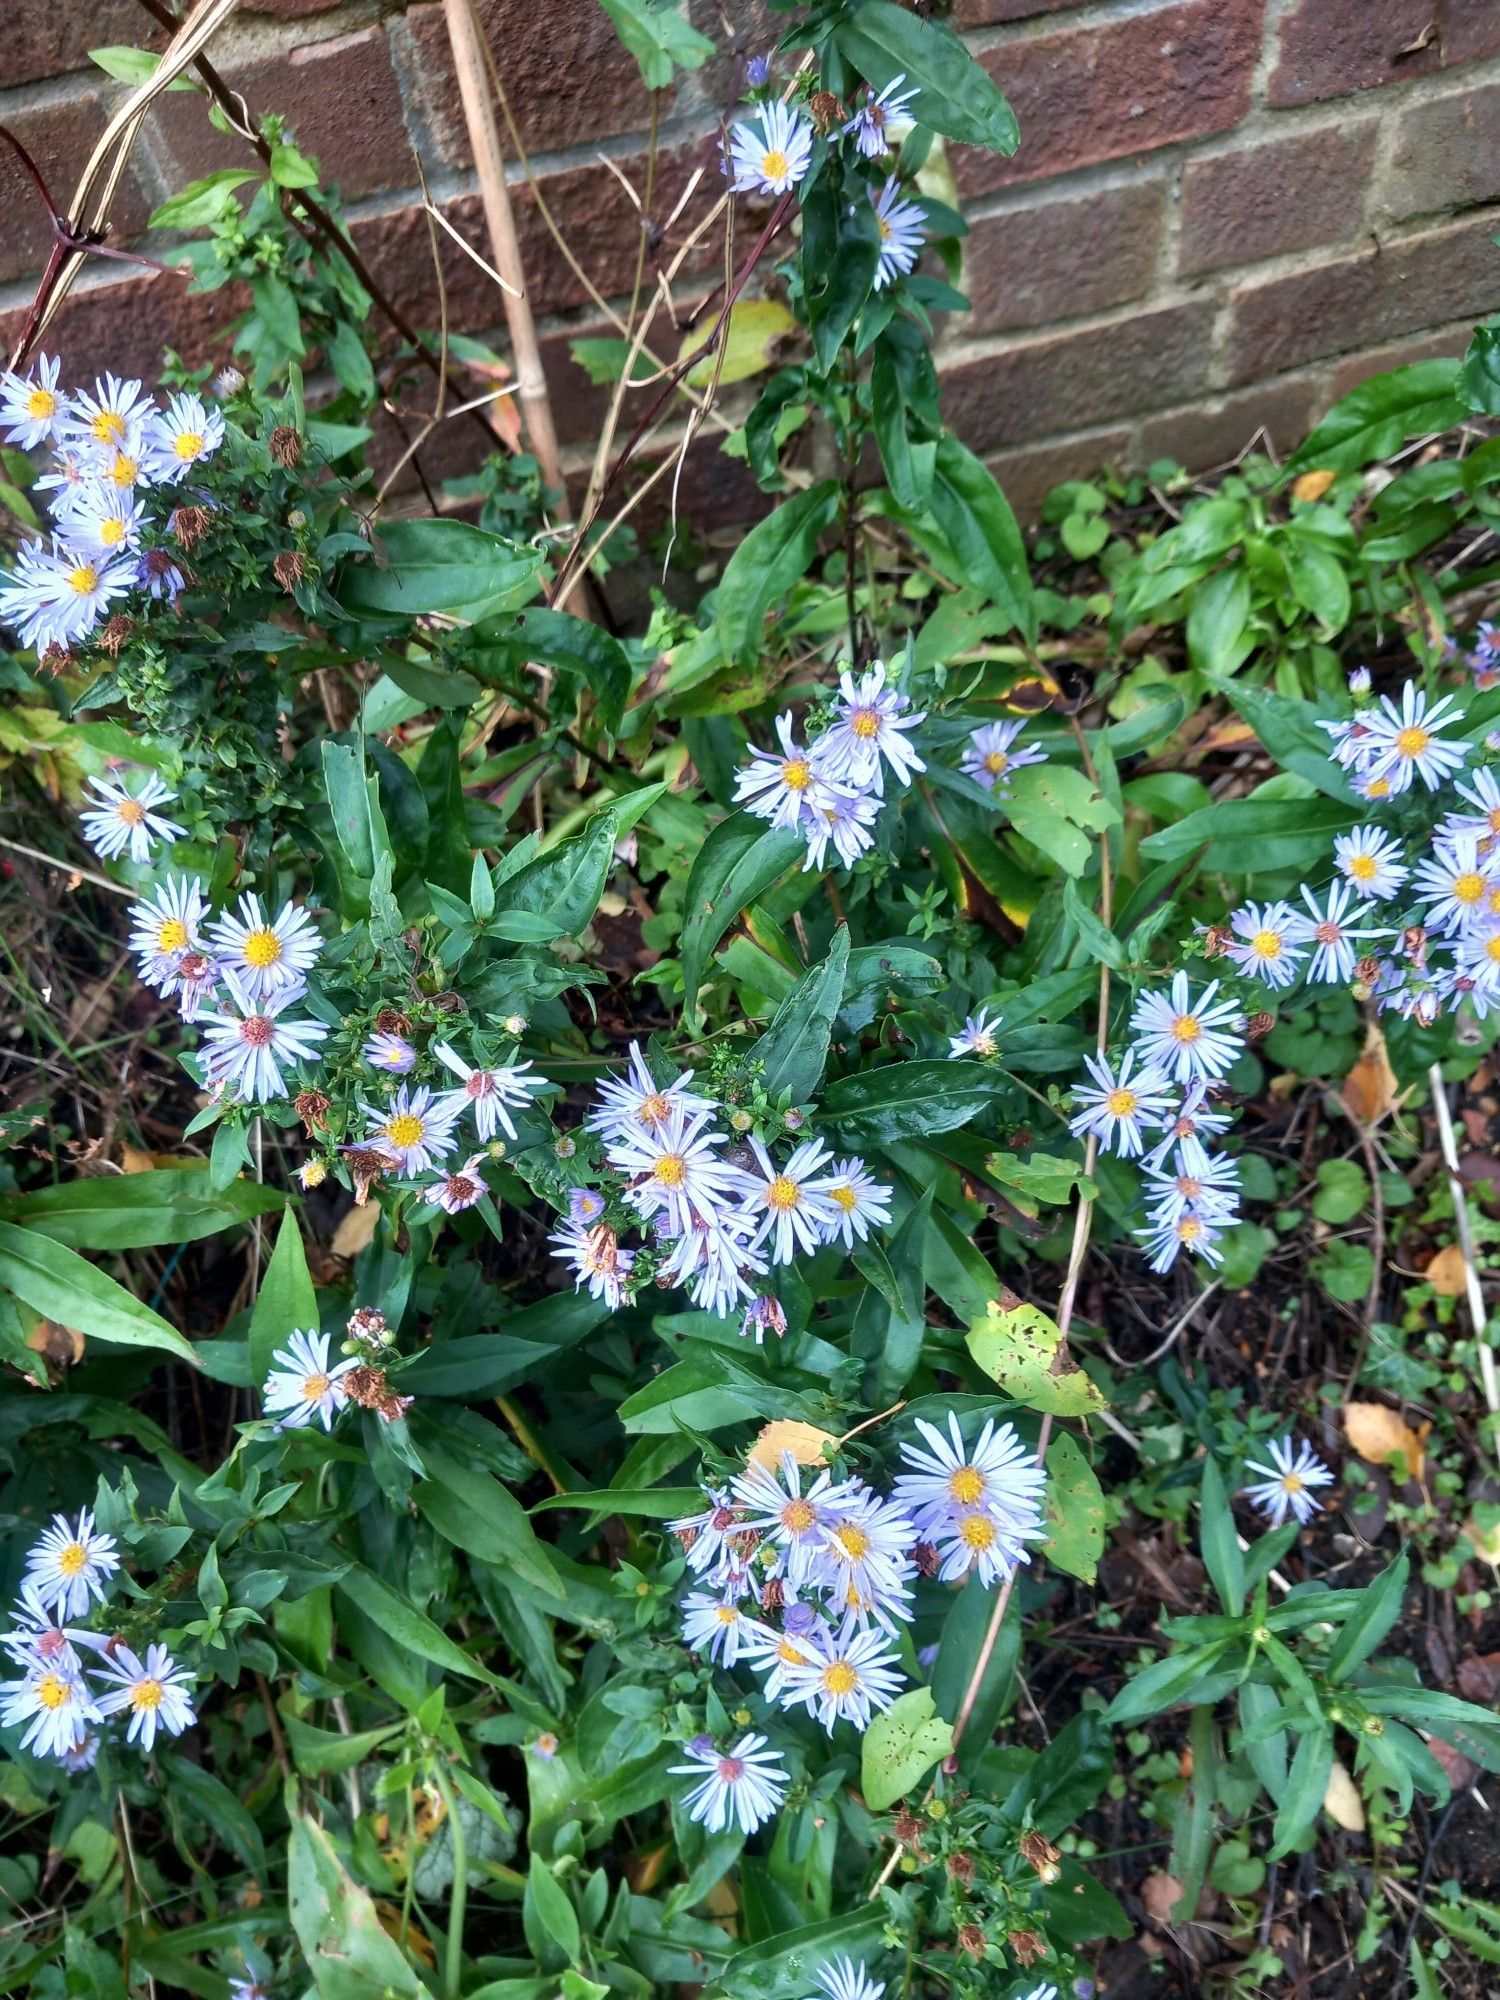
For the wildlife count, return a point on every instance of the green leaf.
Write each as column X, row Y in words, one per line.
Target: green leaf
column 1065, row 1780
column 134, row 66
column 775, row 555
column 203, row 202
column 404, row 1625
column 1056, row 808
column 471, row 1509
column 1222, row 1556
column 1244, row 837
column 449, row 566
column 908, row 466
column 1074, row 1511
column 1217, row 638
column 794, row 1049
column 739, row 861
column 1289, row 730
column 286, row 1300
column 1479, row 384
column 653, row 1503
column 558, row 639
column 563, row 886
column 901, row 1747
column 56, row 1282
column 1019, row 1346
column 1163, row 1685
column 908, row 1100
column 1378, row 417
column 1379, row 1608
column 139, row 1211
column 1424, row 1985
column 1098, row 940
column 347, row 1951
column 658, row 37
column 346, row 782
column 978, row 525
column 836, row 293
column 1306, row 1786
column 1342, row 1191
column 957, row 97
column 553, row 1906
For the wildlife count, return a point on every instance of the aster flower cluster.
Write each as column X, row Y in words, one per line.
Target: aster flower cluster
column 807, row 1577
column 770, row 152
column 113, row 451
column 831, row 790
column 1153, row 1105
column 305, row 1387
column 716, row 1224
column 72, row 1679
column 417, row 1129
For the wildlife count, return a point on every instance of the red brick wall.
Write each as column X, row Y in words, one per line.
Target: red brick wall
column 1222, row 214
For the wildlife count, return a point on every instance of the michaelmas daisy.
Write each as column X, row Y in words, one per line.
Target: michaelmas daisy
column 742, row 1786
column 69, row 1566
column 153, row 1692
column 303, row 1386
column 1288, row 1483
column 771, row 153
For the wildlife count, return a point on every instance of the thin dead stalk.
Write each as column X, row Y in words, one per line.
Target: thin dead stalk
column 1473, row 1293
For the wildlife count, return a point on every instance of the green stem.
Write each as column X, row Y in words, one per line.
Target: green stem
column 453, row 1956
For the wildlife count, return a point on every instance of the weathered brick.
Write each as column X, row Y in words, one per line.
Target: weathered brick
column 340, row 101
column 1291, row 193
column 983, row 13
column 1028, row 474
column 1216, row 430
column 1328, row 48
column 567, row 75
column 59, row 138
column 1445, row 154
column 49, row 38
column 1448, row 342
column 128, row 323
column 1063, row 256
column 290, row 10
column 1084, row 94
column 1074, row 381
column 1351, row 302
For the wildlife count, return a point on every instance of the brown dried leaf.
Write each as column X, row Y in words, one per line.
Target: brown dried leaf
column 1313, row 485
column 1380, row 1435
column 1342, row 1801
column 356, row 1231
column 62, row 1346
column 1479, row 1679
column 1461, row 1771
column 1447, row 1272
column 1160, row 1894
column 804, row 1441
column 1370, row 1091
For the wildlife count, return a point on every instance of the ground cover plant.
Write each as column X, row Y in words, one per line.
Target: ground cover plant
column 760, row 1275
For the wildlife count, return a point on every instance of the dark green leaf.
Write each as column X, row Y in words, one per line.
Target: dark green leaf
column 739, row 861
column 957, row 96
column 1378, row 417
column 137, row 1211
column 794, row 1049
column 450, row 566
column 981, row 530
column 775, row 555
column 59, row 1284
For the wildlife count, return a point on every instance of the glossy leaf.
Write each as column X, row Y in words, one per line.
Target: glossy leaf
column 739, row 861
column 979, row 527
column 794, row 1049
column 776, row 554
column 60, row 1285
column 138, row 1211
column 957, row 97
column 440, row 565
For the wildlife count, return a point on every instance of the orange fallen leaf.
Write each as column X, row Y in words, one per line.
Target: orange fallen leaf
column 61, row 1345
column 804, row 1441
column 1313, row 485
column 1447, row 1273
column 1380, row 1435
column 1370, row 1089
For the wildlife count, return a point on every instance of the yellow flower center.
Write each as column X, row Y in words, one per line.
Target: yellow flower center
column 853, row 1541
column 1189, row 1229
column 840, row 1678
column 1186, row 1028
column 773, row 165
column 1412, row 742
column 1121, row 1103
column 966, row 1486
column 315, row 1387
column 845, row 1198
column 796, row 774
column 187, row 444
column 1492, row 950
column 124, row 471
column 727, row 1614
column 131, row 812
column 1291, row 1482
column 654, row 1110
column 172, row 936
column 74, row 1557
column 865, row 722
column 783, row 1194
column 405, row 1129
column 108, row 427
column 53, row 1691
column 1468, row 888
column 1266, row 944
column 1363, row 867
column 1378, row 788
column 40, row 404
column 111, row 531
column 262, row 948
column 788, row 1654
column 83, row 579
column 671, row 1170
column 977, row 1532
column 797, row 1516
column 996, row 762
column 146, row 1695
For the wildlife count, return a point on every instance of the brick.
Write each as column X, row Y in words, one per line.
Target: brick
column 1330, row 48
column 59, row 137
column 985, row 13
column 1080, row 379
column 1029, row 474
column 341, row 104
column 1392, row 289
column 1445, row 154
column 290, row 10
column 49, row 38
column 1085, row 94
column 1064, row 256
column 567, row 76
column 127, row 324
column 1260, row 201
column 1217, row 430
column 1448, row 343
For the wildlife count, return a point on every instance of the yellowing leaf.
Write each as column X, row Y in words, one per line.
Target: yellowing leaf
column 1312, row 486
column 755, row 326
column 1380, row 1435
column 355, row 1232
column 804, row 1441
column 1370, row 1089
column 1021, row 1348
column 1447, row 1273
column 1342, row 1801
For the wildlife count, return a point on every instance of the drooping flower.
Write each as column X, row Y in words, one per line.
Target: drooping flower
column 707, row 1537
column 392, row 1053
column 154, row 1691
column 1164, row 1242
column 415, row 1128
column 977, row 1037
column 121, row 820
column 1187, row 1127
column 70, row 1565
column 763, row 1315
column 491, row 1094
column 1289, row 1482
column 868, row 732
column 248, row 1044
column 1269, row 942
column 266, row 955
column 1210, row 1191
column 837, row 815
column 877, row 111
column 39, row 1638
column 594, row 1252
column 1118, row 1104
column 304, row 1386
column 771, row 152
column 903, row 230
column 991, row 757
column 1370, row 859
column 847, row 1676
column 1188, row 1037
column 741, row 1787
column 715, row 1259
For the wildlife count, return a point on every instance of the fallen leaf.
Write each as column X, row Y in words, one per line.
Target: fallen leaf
column 1160, row 1894
column 804, row 1441
column 1479, row 1678
column 1447, row 1273
column 1370, row 1090
column 61, row 1345
column 1313, row 485
column 1342, row 1801
column 1461, row 1771
column 354, row 1233
column 1380, row 1435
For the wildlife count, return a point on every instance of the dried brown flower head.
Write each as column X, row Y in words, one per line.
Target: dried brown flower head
column 285, row 446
